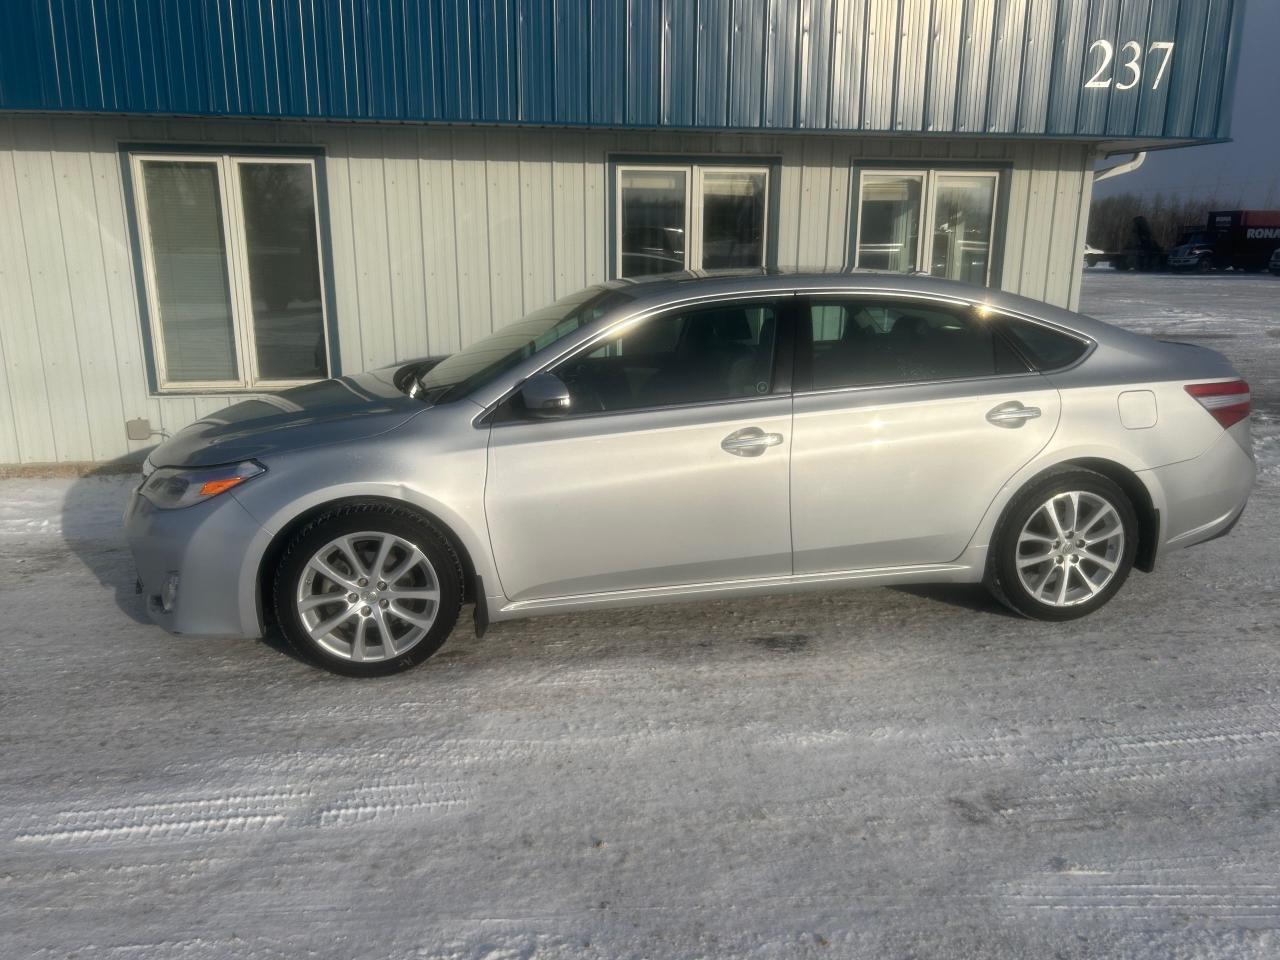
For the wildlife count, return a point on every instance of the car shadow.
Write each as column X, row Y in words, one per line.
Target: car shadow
column 967, row 596
column 92, row 511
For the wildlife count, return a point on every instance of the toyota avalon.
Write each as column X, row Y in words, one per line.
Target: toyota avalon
column 696, row 437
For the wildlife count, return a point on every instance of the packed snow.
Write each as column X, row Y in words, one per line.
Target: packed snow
column 882, row 773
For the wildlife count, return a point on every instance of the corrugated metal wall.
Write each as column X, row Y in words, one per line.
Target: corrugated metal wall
column 437, row 235
column 971, row 66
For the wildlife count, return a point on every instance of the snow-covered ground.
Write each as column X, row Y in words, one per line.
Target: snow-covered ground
column 888, row 773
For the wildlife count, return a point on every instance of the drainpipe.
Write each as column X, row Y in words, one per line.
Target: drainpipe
column 1121, row 168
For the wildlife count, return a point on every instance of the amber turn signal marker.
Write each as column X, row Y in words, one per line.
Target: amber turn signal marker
column 213, row 487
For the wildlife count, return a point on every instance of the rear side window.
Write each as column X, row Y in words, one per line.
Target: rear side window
column 1045, row 349
column 856, row 343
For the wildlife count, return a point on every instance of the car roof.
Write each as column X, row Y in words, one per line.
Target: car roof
column 670, row 289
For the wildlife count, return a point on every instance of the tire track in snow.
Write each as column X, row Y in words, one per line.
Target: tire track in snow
column 170, row 819
column 381, row 800
column 209, row 817
column 1208, row 898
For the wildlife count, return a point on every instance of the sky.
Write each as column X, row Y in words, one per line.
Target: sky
column 1247, row 170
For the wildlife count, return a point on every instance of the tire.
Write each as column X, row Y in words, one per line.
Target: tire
column 1091, row 261
column 415, row 611
column 1014, row 576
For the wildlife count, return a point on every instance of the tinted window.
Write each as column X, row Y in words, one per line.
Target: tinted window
column 478, row 364
column 715, row 353
column 1046, row 349
column 861, row 342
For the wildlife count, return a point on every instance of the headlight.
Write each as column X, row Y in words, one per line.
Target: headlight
column 172, row 487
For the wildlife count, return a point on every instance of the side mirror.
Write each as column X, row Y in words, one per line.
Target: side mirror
column 545, row 397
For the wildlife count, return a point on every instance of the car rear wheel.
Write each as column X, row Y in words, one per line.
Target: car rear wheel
column 1065, row 546
column 368, row 590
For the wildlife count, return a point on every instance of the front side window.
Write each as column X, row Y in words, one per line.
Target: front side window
column 231, row 264
column 695, row 217
column 933, row 221
column 487, row 359
column 866, row 342
column 703, row 355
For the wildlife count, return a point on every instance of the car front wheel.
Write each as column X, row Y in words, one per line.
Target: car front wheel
column 1065, row 546
column 368, row 590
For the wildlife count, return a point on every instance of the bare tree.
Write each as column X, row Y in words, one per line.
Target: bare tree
column 1111, row 218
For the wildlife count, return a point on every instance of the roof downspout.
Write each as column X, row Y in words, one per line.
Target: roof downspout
column 1121, row 168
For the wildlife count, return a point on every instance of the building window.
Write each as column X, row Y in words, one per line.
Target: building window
column 690, row 217
column 231, row 264
column 934, row 221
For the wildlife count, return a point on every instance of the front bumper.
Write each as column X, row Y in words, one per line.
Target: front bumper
column 205, row 546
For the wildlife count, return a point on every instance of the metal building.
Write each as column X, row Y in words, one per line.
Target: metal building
column 204, row 199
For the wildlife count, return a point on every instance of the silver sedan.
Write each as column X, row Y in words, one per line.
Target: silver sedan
column 696, row 437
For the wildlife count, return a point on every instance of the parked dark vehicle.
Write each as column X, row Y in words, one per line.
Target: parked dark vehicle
column 1236, row 239
column 1141, row 252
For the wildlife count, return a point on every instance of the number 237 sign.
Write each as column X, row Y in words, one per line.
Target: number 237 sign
column 1125, row 71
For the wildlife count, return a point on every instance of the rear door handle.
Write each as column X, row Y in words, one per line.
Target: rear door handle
column 749, row 442
column 1012, row 414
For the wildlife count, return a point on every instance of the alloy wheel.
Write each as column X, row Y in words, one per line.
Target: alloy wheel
column 368, row 596
column 1070, row 548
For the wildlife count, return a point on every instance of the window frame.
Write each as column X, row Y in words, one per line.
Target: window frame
column 802, row 382
column 227, row 164
column 694, row 171
column 930, row 175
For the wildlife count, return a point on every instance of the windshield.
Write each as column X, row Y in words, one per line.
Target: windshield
column 471, row 368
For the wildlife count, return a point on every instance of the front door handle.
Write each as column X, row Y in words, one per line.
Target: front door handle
column 749, row 442
column 1012, row 414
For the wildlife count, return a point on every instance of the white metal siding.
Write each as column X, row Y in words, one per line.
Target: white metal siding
column 437, row 236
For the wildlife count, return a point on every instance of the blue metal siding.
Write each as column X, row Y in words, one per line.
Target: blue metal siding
column 969, row 66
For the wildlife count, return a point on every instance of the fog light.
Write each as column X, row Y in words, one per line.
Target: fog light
column 169, row 596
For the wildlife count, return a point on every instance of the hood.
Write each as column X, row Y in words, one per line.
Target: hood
column 331, row 411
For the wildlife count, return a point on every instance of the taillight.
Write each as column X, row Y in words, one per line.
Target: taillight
column 1226, row 401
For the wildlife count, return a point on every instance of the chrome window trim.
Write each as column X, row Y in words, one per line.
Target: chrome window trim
column 909, row 384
